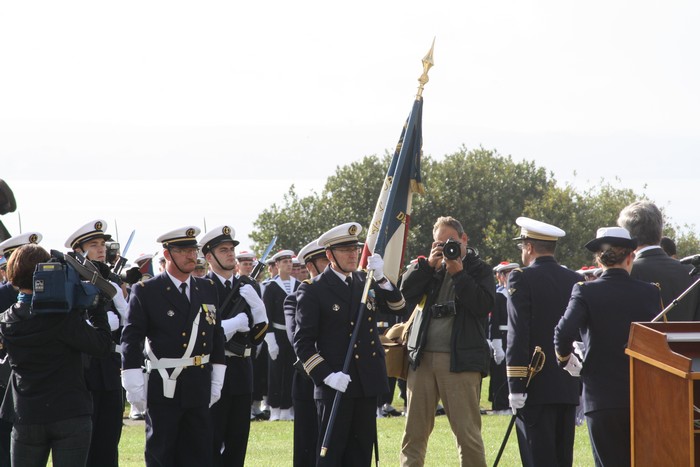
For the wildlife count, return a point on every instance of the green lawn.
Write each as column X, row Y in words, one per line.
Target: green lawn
column 270, row 443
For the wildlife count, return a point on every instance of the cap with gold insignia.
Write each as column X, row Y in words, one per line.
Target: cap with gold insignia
column 182, row 237
column 12, row 243
column 245, row 256
column 295, row 261
column 612, row 236
column 201, row 263
column 537, row 230
column 143, row 258
column 282, row 254
column 217, row 236
column 341, row 235
column 90, row 231
column 312, row 251
column 505, row 266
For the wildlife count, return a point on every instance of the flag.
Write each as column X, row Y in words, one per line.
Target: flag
column 388, row 230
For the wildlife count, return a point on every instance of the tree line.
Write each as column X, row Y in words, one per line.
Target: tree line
column 483, row 189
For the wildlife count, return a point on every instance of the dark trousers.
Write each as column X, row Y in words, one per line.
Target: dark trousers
column 230, row 418
column 107, row 412
column 354, row 431
column 609, row 431
column 498, row 386
column 389, row 396
column 260, row 373
column 5, row 434
column 67, row 440
column 281, row 371
column 546, row 435
column 177, row 436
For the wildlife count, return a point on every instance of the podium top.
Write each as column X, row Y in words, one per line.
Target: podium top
column 673, row 347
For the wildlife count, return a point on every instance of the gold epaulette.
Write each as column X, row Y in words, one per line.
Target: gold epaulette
column 516, row 371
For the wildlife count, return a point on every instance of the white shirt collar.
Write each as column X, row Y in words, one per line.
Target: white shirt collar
column 177, row 283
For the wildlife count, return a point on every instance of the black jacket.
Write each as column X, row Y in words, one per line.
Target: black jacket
column 45, row 352
column 474, row 297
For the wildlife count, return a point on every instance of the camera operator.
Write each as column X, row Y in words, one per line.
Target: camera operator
column 447, row 347
column 103, row 374
column 49, row 404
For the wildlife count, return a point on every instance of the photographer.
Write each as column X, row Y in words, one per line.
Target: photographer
column 49, row 404
column 447, row 347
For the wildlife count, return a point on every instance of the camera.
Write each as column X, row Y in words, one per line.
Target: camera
column 112, row 252
column 452, row 249
column 59, row 289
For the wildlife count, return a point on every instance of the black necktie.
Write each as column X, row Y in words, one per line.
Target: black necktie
column 348, row 280
column 183, row 288
column 227, row 284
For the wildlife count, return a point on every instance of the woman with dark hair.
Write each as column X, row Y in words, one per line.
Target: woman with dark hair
column 602, row 312
column 47, row 400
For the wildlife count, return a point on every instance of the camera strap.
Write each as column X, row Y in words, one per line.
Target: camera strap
column 90, row 273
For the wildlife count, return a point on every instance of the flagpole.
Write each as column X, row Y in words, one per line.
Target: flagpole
column 379, row 248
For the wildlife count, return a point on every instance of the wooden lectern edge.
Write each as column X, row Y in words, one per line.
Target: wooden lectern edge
column 651, row 346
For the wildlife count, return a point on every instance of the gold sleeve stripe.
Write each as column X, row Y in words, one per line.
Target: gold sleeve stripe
column 396, row 305
column 516, row 371
column 262, row 331
column 312, row 362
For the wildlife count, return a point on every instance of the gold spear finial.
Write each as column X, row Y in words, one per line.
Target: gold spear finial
column 427, row 64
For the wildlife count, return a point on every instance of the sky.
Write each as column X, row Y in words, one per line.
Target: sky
column 159, row 114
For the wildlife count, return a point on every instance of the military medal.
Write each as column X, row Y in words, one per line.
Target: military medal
column 209, row 313
column 336, row 307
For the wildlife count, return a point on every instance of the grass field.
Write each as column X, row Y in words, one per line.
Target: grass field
column 270, row 443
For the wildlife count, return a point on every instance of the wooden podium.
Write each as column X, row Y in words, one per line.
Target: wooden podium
column 664, row 387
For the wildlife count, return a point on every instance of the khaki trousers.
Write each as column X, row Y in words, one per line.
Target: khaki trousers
column 430, row 382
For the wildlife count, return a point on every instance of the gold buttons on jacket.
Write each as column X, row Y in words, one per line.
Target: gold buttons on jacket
column 357, row 357
column 184, row 346
column 184, row 334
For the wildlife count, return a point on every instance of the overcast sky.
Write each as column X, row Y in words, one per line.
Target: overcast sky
column 159, row 114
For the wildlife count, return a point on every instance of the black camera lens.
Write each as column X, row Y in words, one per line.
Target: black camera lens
column 452, row 249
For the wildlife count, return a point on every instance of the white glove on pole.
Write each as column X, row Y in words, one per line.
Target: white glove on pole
column 272, row 347
column 498, row 354
column 573, row 366
column 580, row 348
column 119, row 301
column 517, row 401
column 238, row 323
column 218, row 371
column 113, row 320
column 338, row 381
column 376, row 263
column 134, row 383
column 257, row 306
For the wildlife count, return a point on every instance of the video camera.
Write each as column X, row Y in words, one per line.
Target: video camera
column 112, row 252
column 59, row 288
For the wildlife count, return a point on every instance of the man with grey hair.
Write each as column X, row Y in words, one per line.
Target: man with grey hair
column 644, row 221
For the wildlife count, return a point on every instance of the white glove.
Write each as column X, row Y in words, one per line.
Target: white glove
column 238, row 323
column 573, row 366
column 119, row 301
column 257, row 306
column 498, row 354
column 517, row 401
column 218, row 371
column 338, row 381
column 134, row 383
column 113, row 320
column 272, row 347
column 376, row 263
column 580, row 348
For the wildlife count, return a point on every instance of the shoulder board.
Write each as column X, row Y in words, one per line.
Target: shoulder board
column 581, row 282
column 658, row 286
column 306, row 281
column 211, row 281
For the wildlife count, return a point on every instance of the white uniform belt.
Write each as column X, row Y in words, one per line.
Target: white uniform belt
column 281, row 327
column 503, row 327
column 166, row 363
column 246, row 353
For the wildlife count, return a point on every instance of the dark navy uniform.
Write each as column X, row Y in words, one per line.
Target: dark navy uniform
column 8, row 297
column 498, row 329
column 178, row 429
column 231, row 414
column 603, row 311
column 538, row 295
column 326, row 313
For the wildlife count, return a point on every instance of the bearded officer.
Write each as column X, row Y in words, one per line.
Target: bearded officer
column 173, row 317
column 243, row 330
column 305, row 419
column 326, row 316
column 537, row 298
column 8, row 297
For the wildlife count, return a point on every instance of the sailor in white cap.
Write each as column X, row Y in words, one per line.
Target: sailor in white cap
column 538, row 296
column 246, row 262
column 244, row 321
column 498, row 333
column 601, row 312
column 305, row 418
column 326, row 317
column 281, row 363
column 102, row 375
column 173, row 317
column 8, row 294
